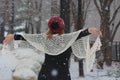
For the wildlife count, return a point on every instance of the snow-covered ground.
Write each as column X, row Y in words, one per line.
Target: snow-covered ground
column 108, row 73
column 8, row 62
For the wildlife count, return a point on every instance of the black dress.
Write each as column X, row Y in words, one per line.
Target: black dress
column 56, row 67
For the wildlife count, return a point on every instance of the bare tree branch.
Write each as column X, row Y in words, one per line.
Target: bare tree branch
column 83, row 8
column 98, row 8
column 105, row 4
column 83, row 4
column 40, row 5
column 101, row 1
column 114, row 14
column 110, row 2
column 86, row 10
column 115, row 30
column 74, row 13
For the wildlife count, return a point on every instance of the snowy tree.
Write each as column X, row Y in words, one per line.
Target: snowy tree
column 79, row 13
column 106, row 25
column 2, row 23
column 30, row 13
column 1, row 31
column 38, row 18
column 65, row 13
column 11, row 22
column 55, row 9
column 6, row 14
column 7, row 18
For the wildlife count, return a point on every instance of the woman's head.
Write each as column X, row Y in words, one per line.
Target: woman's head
column 56, row 26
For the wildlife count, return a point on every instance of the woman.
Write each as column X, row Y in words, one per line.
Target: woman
column 55, row 67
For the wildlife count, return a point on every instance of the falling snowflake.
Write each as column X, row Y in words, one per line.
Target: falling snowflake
column 54, row 72
column 64, row 63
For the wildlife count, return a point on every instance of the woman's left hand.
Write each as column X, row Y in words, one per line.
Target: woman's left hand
column 94, row 31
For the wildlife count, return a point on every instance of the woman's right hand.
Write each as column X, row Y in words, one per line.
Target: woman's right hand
column 9, row 38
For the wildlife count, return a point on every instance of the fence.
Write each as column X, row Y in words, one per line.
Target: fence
column 116, row 51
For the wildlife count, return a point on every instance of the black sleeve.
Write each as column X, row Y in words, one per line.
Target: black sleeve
column 18, row 37
column 83, row 33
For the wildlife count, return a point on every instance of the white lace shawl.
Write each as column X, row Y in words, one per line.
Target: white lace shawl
column 58, row 44
column 54, row 46
column 90, row 54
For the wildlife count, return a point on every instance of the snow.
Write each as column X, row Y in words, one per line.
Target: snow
column 9, row 60
column 6, row 65
column 54, row 72
column 97, row 74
